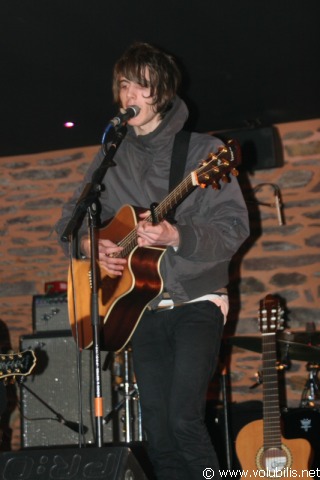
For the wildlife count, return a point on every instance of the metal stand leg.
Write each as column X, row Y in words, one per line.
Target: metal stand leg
column 226, row 418
column 139, row 416
column 127, row 398
column 125, row 384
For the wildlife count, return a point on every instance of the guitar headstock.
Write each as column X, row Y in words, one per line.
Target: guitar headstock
column 218, row 166
column 270, row 315
column 17, row 364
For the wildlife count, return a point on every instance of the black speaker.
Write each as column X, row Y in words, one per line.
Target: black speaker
column 224, row 427
column 260, row 147
column 105, row 463
column 51, row 402
column 303, row 423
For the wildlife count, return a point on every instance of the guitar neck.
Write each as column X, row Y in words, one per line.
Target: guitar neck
column 174, row 198
column 214, row 168
column 161, row 210
column 271, row 407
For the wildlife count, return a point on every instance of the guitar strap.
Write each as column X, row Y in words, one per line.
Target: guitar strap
column 179, row 158
column 178, row 163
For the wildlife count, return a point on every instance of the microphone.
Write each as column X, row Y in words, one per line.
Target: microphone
column 277, row 203
column 131, row 112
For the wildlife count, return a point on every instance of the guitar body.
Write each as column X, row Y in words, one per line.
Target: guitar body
column 121, row 300
column 294, row 455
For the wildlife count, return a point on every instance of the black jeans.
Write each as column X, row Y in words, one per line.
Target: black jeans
column 175, row 355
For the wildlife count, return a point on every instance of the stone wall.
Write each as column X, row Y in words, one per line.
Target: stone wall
column 283, row 260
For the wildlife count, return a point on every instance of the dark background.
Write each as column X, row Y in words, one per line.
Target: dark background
column 246, row 64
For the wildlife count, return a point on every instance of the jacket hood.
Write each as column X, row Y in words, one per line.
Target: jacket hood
column 171, row 124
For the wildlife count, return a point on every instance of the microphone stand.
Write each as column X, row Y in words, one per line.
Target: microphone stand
column 87, row 203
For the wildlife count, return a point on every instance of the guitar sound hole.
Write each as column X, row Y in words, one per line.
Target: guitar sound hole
column 274, row 460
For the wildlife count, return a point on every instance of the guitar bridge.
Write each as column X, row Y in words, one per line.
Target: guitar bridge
column 90, row 278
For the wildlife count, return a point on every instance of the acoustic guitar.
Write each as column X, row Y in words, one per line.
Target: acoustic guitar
column 260, row 446
column 122, row 300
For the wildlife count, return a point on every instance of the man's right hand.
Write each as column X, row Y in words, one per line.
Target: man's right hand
column 106, row 253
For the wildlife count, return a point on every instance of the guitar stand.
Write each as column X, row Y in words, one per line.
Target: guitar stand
column 311, row 392
column 131, row 392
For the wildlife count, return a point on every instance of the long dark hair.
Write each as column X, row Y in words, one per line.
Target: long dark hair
column 163, row 71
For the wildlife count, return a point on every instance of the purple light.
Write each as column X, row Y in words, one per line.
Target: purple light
column 68, row 124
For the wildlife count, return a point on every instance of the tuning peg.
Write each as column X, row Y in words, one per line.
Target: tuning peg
column 225, row 178
column 215, row 185
column 222, row 149
column 212, row 156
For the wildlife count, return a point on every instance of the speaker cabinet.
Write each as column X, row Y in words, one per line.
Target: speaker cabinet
column 106, row 463
column 260, row 147
column 54, row 395
column 50, row 313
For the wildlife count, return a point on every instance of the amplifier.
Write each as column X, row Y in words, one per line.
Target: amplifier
column 52, row 398
column 61, row 386
column 50, row 313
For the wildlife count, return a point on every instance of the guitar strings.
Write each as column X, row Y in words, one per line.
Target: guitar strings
column 130, row 240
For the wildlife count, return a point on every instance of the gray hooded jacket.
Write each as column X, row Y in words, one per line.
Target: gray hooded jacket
column 212, row 223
